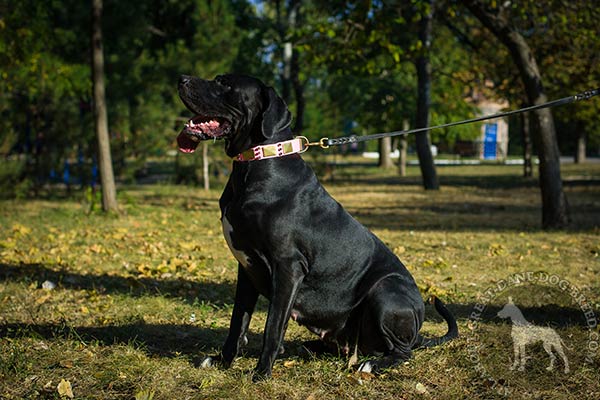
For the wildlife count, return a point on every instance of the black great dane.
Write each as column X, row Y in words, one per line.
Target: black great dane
column 294, row 243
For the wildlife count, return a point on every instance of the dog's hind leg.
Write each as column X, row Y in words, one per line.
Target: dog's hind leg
column 382, row 363
column 389, row 326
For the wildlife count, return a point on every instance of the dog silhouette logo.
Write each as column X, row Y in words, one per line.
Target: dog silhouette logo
column 524, row 332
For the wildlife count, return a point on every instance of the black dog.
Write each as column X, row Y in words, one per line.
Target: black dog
column 295, row 244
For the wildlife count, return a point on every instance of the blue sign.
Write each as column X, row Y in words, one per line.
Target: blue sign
column 490, row 141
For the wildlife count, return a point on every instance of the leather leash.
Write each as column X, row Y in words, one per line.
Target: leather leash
column 325, row 142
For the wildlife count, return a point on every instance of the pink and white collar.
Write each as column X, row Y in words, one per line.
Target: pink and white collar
column 294, row 146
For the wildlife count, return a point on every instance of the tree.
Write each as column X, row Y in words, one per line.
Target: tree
column 109, row 193
column 423, row 67
column 567, row 45
column 287, row 27
column 554, row 203
column 374, row 49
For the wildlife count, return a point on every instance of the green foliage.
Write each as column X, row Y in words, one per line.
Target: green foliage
column 369, row 51
column 11, row 181
column 564, row 39
column 44, row 64
column 356, row 68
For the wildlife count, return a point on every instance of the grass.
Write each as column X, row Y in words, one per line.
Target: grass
column 141, row 298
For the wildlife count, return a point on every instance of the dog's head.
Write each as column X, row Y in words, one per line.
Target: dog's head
column 240, row 109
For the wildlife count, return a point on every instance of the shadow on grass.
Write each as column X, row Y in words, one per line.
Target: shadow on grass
column 450, row 216
column 171, row 340
column 488, row 182
column 221, row 294
column 553, row 315
column 192, row 291
column 161, row 340
column 492, row 176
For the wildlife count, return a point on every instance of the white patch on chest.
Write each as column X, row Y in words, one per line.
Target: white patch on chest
column 238, row 254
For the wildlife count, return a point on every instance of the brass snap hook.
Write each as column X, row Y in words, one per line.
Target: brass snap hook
column 322, row 143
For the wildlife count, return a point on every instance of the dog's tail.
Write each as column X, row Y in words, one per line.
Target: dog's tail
column 452, row 333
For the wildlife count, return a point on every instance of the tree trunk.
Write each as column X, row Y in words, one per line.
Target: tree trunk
column 580, row 149
column 290, row 74
column 402, row 147
column 107, row 179
column 287, row 47
column 296, row 83
column 526, row 130
column 385, row 150
column 554, row 202
column 423, row 66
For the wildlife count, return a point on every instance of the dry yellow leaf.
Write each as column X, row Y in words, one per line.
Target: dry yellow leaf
column 421, row 389
column 43, row 299
column 65, row 389
column 400, row 250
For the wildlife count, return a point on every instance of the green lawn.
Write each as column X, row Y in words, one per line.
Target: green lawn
column 142, row 297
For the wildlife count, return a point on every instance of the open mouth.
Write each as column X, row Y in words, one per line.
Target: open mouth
column 201, row 128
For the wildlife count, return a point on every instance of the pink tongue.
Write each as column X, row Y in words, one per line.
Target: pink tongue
column 186, row 144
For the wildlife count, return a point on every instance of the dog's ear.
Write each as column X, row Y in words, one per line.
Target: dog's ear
column 276, row 116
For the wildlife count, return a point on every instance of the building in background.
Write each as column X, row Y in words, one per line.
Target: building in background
column 493, row 142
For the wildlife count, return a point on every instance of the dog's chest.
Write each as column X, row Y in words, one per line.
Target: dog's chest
column 228, row 233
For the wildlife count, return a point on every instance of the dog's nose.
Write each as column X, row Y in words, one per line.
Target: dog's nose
column 184, row 79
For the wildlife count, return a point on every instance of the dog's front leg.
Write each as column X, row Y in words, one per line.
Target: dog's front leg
column 246, row 296
column 284, row 290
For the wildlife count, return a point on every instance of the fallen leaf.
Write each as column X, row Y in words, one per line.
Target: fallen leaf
column 421, row 389
column 366, row 376
column 65, row 389
column 40, row 346
column 48, row 387
column 144, row 395
column 43, row 299
column 21, row 229
column 96, row 248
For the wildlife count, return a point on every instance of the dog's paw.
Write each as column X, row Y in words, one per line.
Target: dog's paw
column 212, row 361
column 367, row 367
column 207, row 362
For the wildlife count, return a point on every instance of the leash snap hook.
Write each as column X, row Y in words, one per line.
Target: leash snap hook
column 322, row 143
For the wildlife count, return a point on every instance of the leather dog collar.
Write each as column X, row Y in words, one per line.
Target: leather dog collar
column 294, row 146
